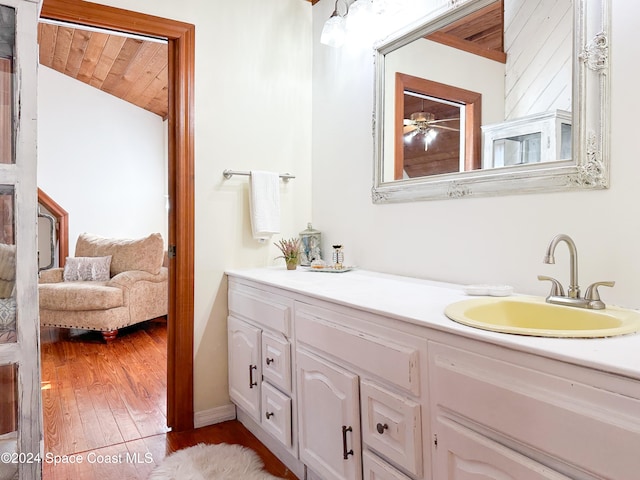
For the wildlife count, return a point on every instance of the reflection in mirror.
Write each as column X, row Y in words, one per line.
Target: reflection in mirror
column 8, row 419
column 7, row 41
column 437, row 128
column 518, row 58
column 7, row 266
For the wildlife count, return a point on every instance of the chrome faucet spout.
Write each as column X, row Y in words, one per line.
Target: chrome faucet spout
column 574, row 289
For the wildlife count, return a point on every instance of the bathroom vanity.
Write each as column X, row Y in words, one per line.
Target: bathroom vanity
column 361, row 375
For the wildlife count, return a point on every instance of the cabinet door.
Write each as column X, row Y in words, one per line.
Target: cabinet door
column 329, row 418
column 245, row 368
column 462, row 454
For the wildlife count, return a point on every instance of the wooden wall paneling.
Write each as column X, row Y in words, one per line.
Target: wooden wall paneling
column 538, row 42
column 181, row 50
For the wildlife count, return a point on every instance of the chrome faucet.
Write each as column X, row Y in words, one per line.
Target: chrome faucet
column 592, row 297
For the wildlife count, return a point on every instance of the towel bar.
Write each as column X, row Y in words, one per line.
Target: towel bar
column 230, row 173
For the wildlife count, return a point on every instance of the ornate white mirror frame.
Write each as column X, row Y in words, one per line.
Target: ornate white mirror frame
column 589, row 167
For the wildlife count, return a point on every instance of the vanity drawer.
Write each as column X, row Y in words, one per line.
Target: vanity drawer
column 376, row 469
column 276, row 360
column 276, row 414
column 267, row 309
column 391, row 425
column 541, row 410
column 329, row 332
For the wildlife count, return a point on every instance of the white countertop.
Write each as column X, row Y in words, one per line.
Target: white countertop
column 422, row 302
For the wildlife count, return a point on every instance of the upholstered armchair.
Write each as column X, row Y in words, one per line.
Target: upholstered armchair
column 109, row 284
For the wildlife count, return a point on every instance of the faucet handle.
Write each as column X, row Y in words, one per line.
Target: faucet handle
column 592, row 290
column 556, row 286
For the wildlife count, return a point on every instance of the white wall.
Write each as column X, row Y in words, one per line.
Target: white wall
column 101, row 159
column 252, row 111
column 501, row 239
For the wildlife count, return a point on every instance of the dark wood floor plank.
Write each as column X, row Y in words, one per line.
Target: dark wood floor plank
column 111, row 392
column 106, row 418
column 149, row 418
column 89, row 418
column 71, row 430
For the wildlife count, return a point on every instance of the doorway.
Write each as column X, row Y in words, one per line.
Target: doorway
column 181, row 38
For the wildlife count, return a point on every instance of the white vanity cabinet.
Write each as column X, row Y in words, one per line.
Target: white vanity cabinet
column 498, row 415
column 359, row 393
column 393, row 390
column 260, row 376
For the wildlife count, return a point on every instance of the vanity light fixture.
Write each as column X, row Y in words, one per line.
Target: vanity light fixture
column 364, row 21
column 361, row 18
column 334, row 31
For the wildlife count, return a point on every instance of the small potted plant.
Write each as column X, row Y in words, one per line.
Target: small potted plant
column 290, row 252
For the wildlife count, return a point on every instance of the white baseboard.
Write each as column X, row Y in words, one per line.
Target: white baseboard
column 214, row 415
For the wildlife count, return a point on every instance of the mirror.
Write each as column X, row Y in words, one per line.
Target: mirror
column 491, row 98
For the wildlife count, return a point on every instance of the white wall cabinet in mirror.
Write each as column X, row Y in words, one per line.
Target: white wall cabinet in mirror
column 540, row 70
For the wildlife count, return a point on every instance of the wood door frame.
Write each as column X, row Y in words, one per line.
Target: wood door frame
column 62, row 225
column 181, row 37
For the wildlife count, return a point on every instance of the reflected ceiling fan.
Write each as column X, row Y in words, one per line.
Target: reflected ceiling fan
column 424, row 123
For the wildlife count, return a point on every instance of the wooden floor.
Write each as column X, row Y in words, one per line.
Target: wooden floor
column 104, row 407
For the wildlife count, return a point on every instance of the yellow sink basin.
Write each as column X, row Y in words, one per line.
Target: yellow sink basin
column 533, row 316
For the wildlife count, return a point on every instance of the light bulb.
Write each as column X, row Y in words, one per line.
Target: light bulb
column 334, row 31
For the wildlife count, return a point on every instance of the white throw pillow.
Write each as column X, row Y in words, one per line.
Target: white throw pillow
column 7, row 314
column 87, row 269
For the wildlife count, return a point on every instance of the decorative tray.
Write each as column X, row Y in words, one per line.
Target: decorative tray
column 330, row 269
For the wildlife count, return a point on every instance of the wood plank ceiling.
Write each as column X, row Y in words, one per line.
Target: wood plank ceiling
column 132, row 69
column 135, row 70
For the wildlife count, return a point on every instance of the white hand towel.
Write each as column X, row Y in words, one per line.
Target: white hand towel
column 264, row 204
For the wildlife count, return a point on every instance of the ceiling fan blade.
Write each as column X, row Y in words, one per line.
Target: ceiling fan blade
column 445, row 120
column 408, row 121
column 409, row 129
column 442, row 127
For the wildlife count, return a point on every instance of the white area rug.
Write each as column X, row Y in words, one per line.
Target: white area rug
column 8, row 446
column 212, row 462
